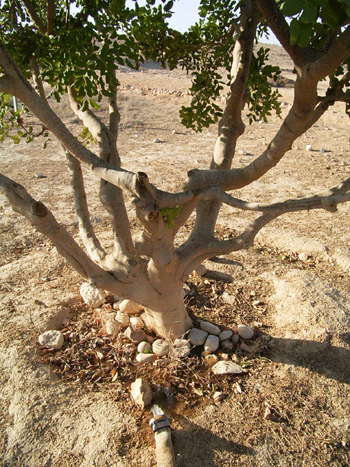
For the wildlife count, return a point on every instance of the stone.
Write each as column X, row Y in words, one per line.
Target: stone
column 224, row 335
column 211, row 359
column 200, row 270
column 51, row 339
column 197, row 336
column 146, row 357
column 211, row 344
column 144, row 347
column 227, row 345
column 123, row 319
column 157, row 140
column 303, row 256
column 186, row 291
column 217, row 396
column 112, row 327
column 136, row 322
column 245, row 332
column 181, row 348
column 91, row 295
column 210, row 328
column 160, row 347
column 227, row 368
column 135, row 335
column 130, row 307
column 141, row 393
column 235, row 338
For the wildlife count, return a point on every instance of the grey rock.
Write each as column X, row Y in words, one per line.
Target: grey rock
column 245, row 332
column 224, row 335
column 211, row 344
column 210, row 328
column 197, row 336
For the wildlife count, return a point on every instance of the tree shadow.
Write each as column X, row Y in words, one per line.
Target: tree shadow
column 196, row 446
column 321, row 357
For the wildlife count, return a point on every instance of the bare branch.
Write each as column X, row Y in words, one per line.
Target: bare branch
column 38, row 84
column 280, row 28
column 34, row 16
column 43, row 220
column 51, row 13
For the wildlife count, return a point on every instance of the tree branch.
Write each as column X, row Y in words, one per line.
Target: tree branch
column 43, row 220
column 279, row 26
column 34, row 16
column 51, row 13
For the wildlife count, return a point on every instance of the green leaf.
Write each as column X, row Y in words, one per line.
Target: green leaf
column 94, row 104
column 295, row 31
column 292, row 7
column 310, row 13
column 85, row 106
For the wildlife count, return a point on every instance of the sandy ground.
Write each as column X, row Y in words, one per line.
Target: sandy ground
column 304, row 382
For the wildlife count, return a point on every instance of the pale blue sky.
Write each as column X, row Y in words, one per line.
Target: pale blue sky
column 186, row 14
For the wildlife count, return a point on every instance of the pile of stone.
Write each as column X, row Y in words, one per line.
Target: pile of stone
column 124, row 319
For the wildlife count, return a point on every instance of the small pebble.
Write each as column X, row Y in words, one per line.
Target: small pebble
column 122, row 318
column 144, row 347
column 146, row 357
column 210, row 328
column 135, row 335
column 130, row 307
column 141, row 392
column 51, row 339
column 245, row 331
column 160, row 347
column 227, row 345
column 211, row 344
column 112, row 327
column 91, row 295
column 136, row 322
column 227, row 368
column 197, row 336
column 156, row 140
column 224, row 335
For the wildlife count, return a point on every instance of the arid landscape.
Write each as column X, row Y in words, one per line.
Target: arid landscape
column 292, row 405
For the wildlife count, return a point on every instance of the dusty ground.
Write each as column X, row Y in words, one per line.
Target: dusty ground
column 292, row 408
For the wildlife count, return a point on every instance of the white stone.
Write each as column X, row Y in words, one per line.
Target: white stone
column 141, row 393
column 197, row 336
column 130, row 307
column 160, row 347
column 211, row 359
column 227, row 345
column 227, row 368
column 91, row 295
column 136, row 322
column 144, row 347
column 210, row 328
column 308, row 147
column 224, row 335
column 181, row 348
column 122, row 318
column 211, row 344
column 303, row 256
column 146, row 357
column 52, row 339
column 245, row 331
column 112, row 327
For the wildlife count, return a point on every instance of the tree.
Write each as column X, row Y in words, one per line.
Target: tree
column 38, row 45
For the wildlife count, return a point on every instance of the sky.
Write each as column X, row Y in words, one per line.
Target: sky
column 186, row 14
